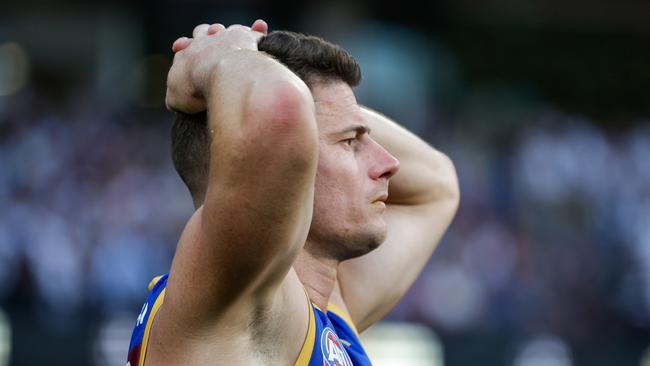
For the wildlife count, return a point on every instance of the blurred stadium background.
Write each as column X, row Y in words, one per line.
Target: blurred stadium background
column 544, row 106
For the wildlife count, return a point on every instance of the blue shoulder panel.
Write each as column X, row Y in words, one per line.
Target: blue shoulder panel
column 138, row 345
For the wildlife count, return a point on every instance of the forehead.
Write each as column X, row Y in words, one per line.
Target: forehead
column 336, row 106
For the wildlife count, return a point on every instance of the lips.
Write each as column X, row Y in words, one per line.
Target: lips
column 381, row 198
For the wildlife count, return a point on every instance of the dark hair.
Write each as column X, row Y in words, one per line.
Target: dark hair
column 311, row 58
column 191, row 152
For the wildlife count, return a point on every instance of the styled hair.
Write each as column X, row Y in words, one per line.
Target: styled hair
column 312, row 59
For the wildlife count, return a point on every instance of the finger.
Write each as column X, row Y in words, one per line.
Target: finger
column 200, row 30
column 215, row 28
column 181, row 44
column 260, row 26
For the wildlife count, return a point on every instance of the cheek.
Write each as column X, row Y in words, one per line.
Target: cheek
column 328, row 195
column 339, row 182
column 324, row 192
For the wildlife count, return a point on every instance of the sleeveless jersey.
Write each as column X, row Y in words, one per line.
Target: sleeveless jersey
column 332, row 339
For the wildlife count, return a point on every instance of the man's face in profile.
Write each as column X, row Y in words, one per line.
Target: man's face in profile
column 352, row 177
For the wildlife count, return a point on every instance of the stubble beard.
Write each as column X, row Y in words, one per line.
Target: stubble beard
column 343, row 244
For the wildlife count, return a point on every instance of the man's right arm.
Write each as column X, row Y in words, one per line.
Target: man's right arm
column 240, row 245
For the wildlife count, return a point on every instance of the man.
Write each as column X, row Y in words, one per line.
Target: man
column 298, row 242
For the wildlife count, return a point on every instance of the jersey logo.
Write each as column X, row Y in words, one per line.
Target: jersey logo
column 333, row 352
column 143, row 313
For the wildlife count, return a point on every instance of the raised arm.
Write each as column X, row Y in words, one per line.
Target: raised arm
column 422, row 200
column 238, row 247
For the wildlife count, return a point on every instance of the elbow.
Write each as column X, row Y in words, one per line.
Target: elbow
column 450, row 178
column 282, row 113
column 290, row 109
column 448, row 187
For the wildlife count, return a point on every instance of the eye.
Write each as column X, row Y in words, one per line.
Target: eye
column 349, row 141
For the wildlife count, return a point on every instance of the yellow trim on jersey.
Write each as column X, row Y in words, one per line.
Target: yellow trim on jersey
column 153, row 282
column 147, row 329
column 308, row 345
column 343, row 315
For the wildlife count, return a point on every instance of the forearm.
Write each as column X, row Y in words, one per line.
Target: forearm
column 245, row 82
column 426, row 175
column 261, row 118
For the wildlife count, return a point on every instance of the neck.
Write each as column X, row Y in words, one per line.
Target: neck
column 318, row 275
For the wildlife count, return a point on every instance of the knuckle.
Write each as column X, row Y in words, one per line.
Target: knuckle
column 200, row 28
column 238, row 27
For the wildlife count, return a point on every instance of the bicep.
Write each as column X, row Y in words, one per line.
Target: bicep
column 374, row 283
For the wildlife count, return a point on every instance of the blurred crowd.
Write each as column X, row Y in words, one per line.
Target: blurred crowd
column 552, row 236
column 93, row 206
column 551, row 241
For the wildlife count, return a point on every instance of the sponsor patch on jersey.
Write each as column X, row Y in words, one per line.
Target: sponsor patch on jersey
column 334, row 353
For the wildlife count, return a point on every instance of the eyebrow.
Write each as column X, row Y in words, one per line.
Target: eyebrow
column 359, row 129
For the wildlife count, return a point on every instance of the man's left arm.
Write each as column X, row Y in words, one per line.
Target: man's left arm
column 422, row 200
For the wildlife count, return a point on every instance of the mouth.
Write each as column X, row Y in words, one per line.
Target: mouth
column 379, row 204
column 381, row 199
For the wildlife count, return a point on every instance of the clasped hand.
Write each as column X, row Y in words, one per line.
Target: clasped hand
column 190, row 77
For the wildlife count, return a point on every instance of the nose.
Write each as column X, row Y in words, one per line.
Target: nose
column 386, row 165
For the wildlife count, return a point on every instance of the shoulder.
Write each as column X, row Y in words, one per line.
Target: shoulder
column 269, row 332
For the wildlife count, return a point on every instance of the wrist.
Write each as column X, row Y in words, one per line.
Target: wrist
column 235, row 63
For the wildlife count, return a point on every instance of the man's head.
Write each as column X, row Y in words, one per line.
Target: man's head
column 312, row 59
column 353, row 170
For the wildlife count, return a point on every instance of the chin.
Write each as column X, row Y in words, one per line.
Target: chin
column 363, row 244
column 347, row 242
